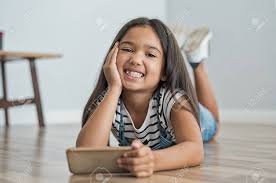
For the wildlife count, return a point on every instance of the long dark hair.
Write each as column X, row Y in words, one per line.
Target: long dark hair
column 177, row 76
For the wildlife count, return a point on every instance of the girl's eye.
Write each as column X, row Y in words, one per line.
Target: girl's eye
column 150, row 55
column 127, row 49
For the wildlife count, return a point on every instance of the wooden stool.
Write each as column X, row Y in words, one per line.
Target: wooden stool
column 7, row 56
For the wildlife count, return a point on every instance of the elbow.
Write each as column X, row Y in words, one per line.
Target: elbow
column 198, row 155
column 78, row 142
column 195, row 155
column 83, row 143
column 199, row 158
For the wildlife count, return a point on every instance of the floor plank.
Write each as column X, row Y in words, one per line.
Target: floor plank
column 242, row 153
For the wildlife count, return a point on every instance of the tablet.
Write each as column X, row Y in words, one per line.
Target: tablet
column 95, row 160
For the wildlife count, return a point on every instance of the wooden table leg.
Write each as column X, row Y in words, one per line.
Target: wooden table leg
column 36, row 93
column 4, row 84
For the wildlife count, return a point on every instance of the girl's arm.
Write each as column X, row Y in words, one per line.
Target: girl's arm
column 189, row 148
column 142, row 161
column 96, row 130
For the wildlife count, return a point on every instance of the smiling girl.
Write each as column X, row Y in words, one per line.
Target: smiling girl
column 145, row 97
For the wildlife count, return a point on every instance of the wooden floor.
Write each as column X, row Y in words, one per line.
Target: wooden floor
column 243, row 153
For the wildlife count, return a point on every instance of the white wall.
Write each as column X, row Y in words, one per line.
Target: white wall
column 241, row 66
column 242, row 63
column 82, row 31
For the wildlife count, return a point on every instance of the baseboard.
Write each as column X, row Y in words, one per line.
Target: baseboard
column 55, row 117
column 63, row 117
column 74, row 117
column 248, row 116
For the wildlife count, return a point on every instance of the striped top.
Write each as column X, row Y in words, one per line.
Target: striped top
column 149, row 132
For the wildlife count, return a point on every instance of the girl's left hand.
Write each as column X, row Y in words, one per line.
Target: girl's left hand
column 139, row 161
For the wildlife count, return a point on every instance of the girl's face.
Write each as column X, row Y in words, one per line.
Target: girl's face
column 140, row 59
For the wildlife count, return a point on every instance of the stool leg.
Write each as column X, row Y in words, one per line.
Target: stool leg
column 36, row 93
column 4, row 84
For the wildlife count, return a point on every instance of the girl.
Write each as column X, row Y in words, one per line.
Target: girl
column 145, row 97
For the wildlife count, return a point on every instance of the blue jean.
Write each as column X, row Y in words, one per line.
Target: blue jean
column 207, row 123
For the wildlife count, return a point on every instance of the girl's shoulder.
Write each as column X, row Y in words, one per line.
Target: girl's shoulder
column 167, row 94
column 167, row 98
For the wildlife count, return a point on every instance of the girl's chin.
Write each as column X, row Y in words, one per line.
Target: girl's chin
column 132, row 83
column 132, row 87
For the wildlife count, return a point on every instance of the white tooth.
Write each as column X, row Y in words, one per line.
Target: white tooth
column 134, row 74
column 137, row 74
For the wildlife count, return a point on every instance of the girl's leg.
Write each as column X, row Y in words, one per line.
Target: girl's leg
column 196, row 48
column 195, row 45
column 204, row 90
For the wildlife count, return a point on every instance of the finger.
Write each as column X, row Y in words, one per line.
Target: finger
column 139, row 171
column 143, row 151
column 110, row 54
column 138, row 168
column 136, row 144
column 114, row 55
column 135, row 161
column 143, row 174
column 107, row 61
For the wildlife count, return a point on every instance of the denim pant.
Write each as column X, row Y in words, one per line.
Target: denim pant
column 208, row 123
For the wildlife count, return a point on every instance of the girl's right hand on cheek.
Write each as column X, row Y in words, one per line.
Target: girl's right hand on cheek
column 110, row 69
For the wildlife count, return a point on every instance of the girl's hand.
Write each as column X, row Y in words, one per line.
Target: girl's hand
column 110, row 69
column 139, row 161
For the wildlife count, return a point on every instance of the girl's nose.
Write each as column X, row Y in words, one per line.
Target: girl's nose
column 136, row 60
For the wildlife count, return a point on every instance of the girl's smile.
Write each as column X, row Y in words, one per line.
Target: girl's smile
column 133, row 75
column 140, row 59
